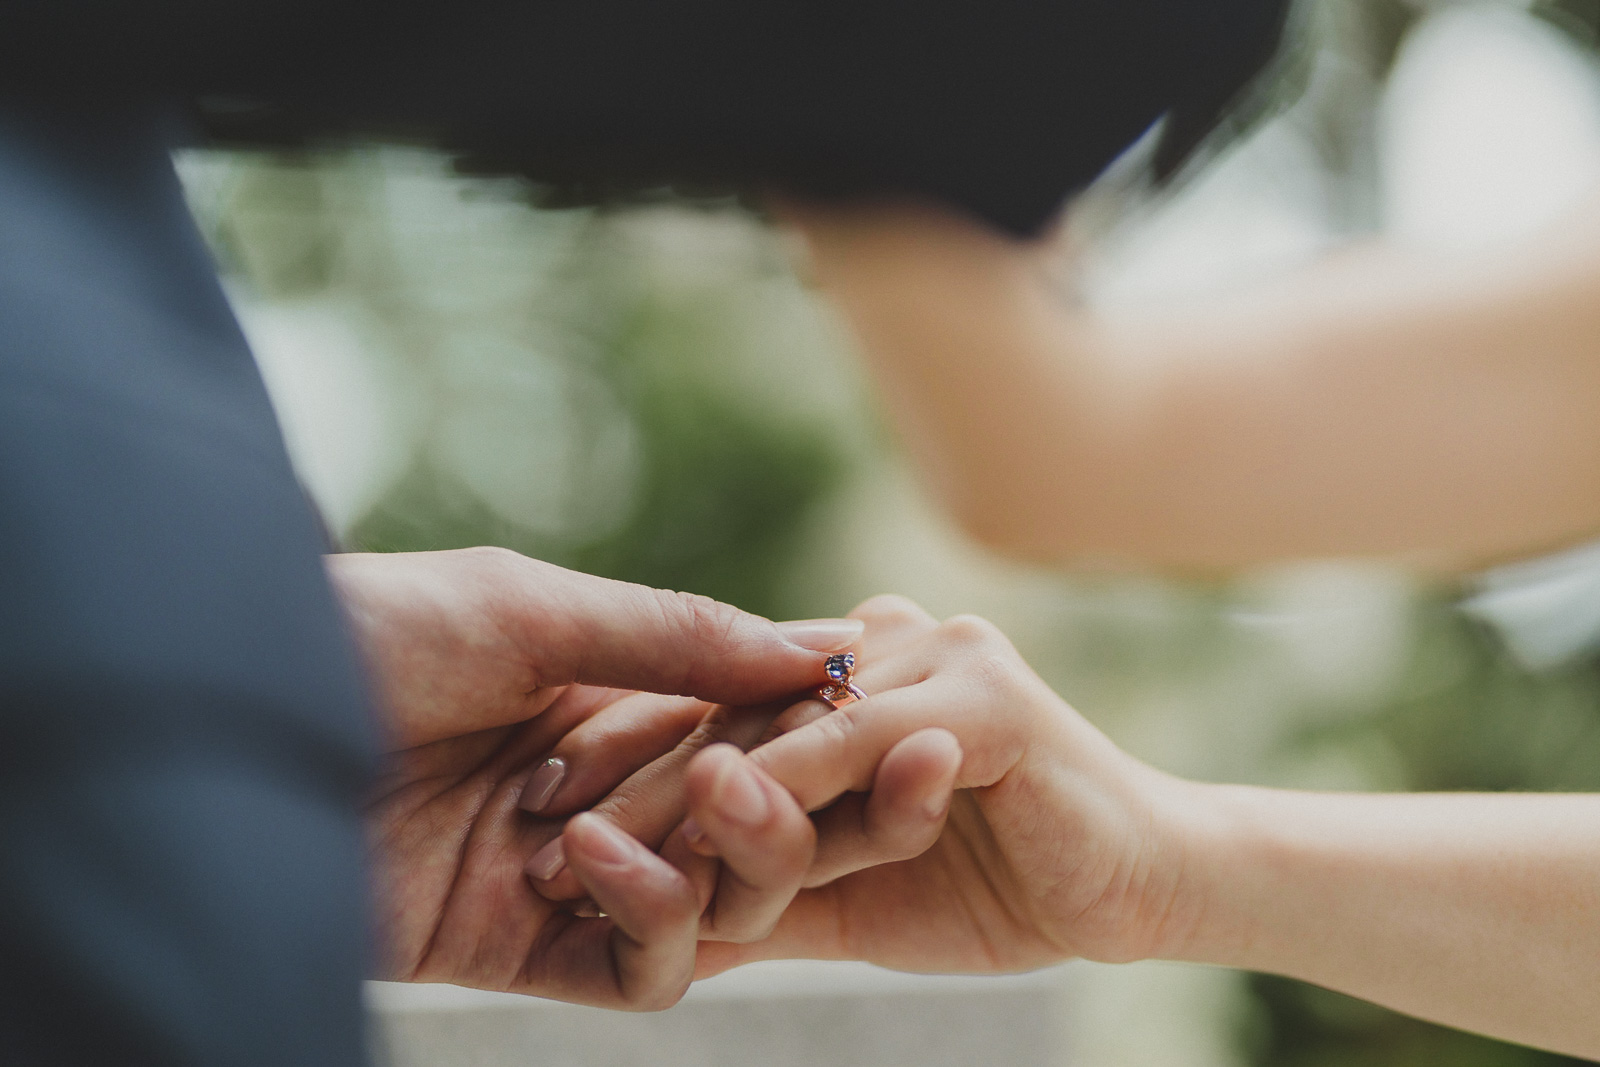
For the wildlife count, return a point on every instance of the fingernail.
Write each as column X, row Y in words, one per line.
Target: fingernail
column 823, row 635
column 547, row 862
column 698, row 842
column 738, row 796
column 606, row 843
column 542, row 785
column 936, row 807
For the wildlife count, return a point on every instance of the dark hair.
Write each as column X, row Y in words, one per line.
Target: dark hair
column 1001, row 107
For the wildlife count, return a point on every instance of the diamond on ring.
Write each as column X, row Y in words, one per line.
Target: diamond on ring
column 840, row 690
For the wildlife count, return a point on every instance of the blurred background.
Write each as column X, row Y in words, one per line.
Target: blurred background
column 652, row 393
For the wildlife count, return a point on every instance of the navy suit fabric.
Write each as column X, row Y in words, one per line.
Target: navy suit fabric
column 183, row 735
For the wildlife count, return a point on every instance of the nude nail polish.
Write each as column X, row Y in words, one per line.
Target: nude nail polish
column 547, row 862
column 542, row 785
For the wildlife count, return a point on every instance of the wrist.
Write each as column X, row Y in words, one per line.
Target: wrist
column 1232, row 876
column 1149, row 892
column 1188, row 845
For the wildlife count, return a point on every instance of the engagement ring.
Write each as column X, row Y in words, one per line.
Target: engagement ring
column 840, row 691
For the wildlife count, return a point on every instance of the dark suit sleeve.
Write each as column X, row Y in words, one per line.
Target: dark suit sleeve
column 184, row 742
column 1001, row 107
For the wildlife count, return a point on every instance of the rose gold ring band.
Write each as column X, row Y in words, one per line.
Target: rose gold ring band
column 840, row 690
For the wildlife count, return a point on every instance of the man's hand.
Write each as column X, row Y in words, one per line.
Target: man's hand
column 484, row 659
column 467, row 640
column 454, row 905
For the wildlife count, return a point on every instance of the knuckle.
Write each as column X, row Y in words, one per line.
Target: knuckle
column 979, row 657
column 705, row 620
column 890, row 608
column 972, row 632
column 991, row 672
column 705, row 625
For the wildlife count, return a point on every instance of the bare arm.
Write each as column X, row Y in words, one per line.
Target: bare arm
column 1471, row 910
column 1380, row 404
column 1477, row 911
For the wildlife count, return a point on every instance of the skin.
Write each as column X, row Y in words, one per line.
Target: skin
column 476, row 638
column 1473, row 911
column 486, row 660
column 1440, row 412
column 452, row 904
column 451, row 845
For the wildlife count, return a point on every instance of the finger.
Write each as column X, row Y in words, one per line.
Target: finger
column 894, row 626
column 652, row 908
column 795, row 716
column 965, row 678
column 902, row 816
column 601, row 751
column 569, row 707
column 581, row 628
column 840, row 753
column 892, row 623
column 764, row 839
column 652, row 802
column 504, row 750
column 810, row 928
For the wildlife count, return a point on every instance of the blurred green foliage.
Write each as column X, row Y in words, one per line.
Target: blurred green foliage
column 721, row 499
column 1298, row 1025
column 713, row 485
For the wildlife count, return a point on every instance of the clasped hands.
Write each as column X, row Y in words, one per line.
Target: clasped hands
column 598, row 792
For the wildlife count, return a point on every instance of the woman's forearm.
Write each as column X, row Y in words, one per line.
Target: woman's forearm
column 1381, row 405
column 1478, row 911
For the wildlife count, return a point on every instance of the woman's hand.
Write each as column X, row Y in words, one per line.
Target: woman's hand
column 1472, row 911
column 1057, row 843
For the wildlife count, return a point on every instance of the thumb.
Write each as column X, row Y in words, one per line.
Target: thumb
column 578, row 627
